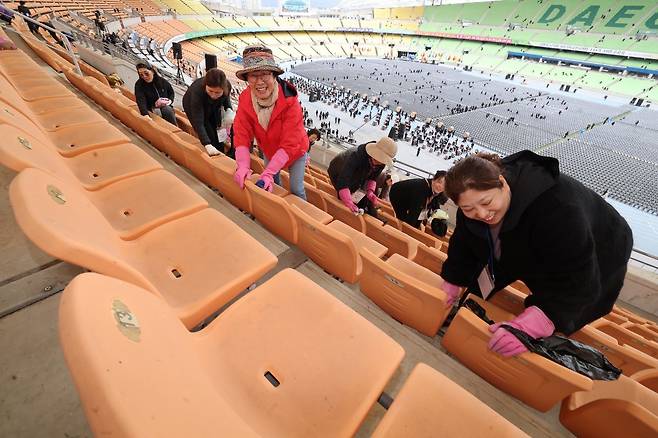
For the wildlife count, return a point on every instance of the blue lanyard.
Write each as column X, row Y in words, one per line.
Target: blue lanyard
column 491, row 255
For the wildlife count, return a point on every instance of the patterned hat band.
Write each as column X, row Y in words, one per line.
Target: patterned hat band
column 255, row 59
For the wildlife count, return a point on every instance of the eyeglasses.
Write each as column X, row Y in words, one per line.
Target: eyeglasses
column 264, row 76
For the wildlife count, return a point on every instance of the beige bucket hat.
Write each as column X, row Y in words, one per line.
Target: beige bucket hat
column 383, row 150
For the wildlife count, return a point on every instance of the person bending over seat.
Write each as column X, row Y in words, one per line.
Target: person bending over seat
column 269, row 111
column 153, row 92
column 354, row 173
column 206, row 102
column 415, row 200
column 520, row 218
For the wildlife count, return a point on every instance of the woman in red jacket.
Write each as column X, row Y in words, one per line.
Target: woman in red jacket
column 269, row 111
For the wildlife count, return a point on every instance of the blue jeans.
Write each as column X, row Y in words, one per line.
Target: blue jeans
column 296, row 171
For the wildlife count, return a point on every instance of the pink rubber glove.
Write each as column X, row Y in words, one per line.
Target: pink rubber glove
column 371, row 185
column 308, row 159
column 452, row 291
column 532, row 321
column 346, row 197
column 244, row 162
column 279, row 159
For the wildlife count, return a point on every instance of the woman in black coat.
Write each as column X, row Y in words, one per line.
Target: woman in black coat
column 412, row 197
column 521, row 219
column 153, row 91
column 205, row 103
column 354, row 173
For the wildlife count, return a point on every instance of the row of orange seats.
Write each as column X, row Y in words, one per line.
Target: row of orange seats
column 319, row 235
column 87, row 195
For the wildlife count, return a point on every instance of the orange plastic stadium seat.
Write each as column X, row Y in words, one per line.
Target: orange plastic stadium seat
column 45, row 106
column 184, row 124
column 223, row 171
column 71, row 141
column 273, row 212
column 406, row 291
column 314, row 196
column 326, row 187
column 31, row 90
column 257, row 164
column 285, row 179
column 332, row 250
column 339, row 212
column 510, row 300
column 93, row 170
column 521, row 287
column 386, row 207
column 616, row 318
column 118, row 104
column 533, row 379
column 55, row 120
column 361, row 241
column 178, row 259
column 430, row 258
column 420, row 236
column 318, row 170
column 273, row 364
column 431, row 405
column 632, row 317
column 195, row 157
column 395, row 240
column 308, row 178
column 632, row 362
column 166, row 139
column 308, row 208
column 132, row 204
column 627, row 337
column 642, row 330
column 612, row 409
column 136, row 205
column 146, row 128
column 389, row 219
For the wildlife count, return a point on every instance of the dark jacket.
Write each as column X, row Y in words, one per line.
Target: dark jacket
column 204, row 113
column 411, row 196
column 351, row 169
column 565, row 242
column 146, row 94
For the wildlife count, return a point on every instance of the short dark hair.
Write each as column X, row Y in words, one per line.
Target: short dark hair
column 313, row 131
column 215, row 77
column 146, row 65
column 481, row 171
column 439, row 174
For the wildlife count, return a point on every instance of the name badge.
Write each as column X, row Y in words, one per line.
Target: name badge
column 486, row 283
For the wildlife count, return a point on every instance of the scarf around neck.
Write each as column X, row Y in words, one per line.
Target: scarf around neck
column 264, row 107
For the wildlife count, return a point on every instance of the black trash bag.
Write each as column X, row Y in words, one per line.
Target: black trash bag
column 569, row 353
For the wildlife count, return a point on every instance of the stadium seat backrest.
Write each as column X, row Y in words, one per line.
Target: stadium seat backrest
column 273, row 212
column 535, row 380
column 406, row 291
column 64, row 223
column 330, row 249
column 138, row 327
column 20, row 150
column 430, row 258
column 339, row 212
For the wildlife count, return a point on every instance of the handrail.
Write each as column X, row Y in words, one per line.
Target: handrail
column 65, row 39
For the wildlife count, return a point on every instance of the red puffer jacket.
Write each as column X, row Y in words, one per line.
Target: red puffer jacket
column 285, row 130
